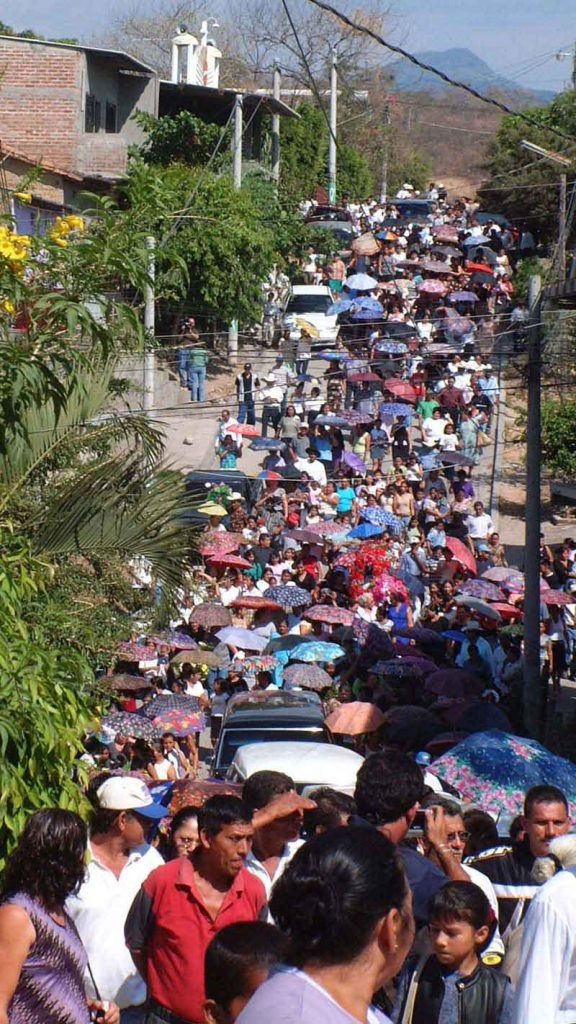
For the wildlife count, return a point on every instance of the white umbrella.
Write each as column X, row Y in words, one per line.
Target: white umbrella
column 361, row 282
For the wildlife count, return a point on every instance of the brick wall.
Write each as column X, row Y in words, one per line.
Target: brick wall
column 41, row 97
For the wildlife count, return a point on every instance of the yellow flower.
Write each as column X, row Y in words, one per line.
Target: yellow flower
column 8, row 306
column 24, row 197
column 61, row 242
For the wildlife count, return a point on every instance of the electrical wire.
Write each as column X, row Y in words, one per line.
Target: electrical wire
column 364, row 30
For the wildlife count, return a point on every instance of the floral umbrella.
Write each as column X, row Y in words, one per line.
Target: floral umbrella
column 210, row 616
column 329, row 613
column 317, row 650
column 500, row 572
column 166, row 703
column 556, row 597
column 382, row 517
column 181, row 723
column 181, row 641
column 395, row 409
column 289, row 597
column 432, row 288
column 199, row 657
column 243, row 429
column 312, row 677
column 391, row 348
column 386, row 585
column 256, row 663
column 256, row 603
column 195, row 792
column 131, row 725
column 355, row 718
column 135, row 652
column 495, row 769
column 224, row 540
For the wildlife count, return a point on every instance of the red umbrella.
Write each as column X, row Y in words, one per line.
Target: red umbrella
column 255, row 602
column 329, row 613
column 231, row 560
column 453, row 682
column 355, row 718
column 401, row 388
column 245, row 429
column 365, row 378
column 461, row 553
column 507, row 611
column 213, row 551
column 480, row 268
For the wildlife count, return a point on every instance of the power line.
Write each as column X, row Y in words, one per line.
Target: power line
column 364, row 30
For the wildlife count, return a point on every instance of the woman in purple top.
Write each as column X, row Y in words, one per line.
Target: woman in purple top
column 345, row 906
column 43, row 959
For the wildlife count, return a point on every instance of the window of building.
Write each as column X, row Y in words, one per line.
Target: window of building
column 93, row 113
column 111, row 118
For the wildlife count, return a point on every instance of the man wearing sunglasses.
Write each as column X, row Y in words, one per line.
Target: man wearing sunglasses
column 456, row 839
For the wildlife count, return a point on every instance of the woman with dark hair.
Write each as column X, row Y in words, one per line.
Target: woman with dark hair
column 43, row 959
column 344, row 904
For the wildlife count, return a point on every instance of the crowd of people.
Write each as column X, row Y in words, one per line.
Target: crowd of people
column 363, row 565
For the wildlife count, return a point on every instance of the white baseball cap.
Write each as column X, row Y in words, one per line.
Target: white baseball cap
column 122, row 793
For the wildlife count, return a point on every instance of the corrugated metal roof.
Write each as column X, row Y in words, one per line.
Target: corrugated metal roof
column 226, row 97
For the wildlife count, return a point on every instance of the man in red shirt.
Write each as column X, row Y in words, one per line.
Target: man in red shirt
column 183, row 904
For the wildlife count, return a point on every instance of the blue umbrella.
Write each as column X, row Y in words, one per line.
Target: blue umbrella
column 333, row 357
column 317, row 651
column 431, row 461
column 479, row 240
column 342, row 306
column 395, row 409
column 332, row 421
column 368, row 303
column 463, row 297
column 367, row 315
column 364, row 531
column 454, row 634
column 382, row 517
column 289, row 597
column 262, row 444
column 393, row 348
column 361, row 282
column 495, row 769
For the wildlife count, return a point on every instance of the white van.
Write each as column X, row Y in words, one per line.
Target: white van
column 310, row 764
column 311, row 302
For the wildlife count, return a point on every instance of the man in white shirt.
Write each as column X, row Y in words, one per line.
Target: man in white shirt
column 120, row 860
column 546, row 990
column 479, row 524
column 272, row 397
column 313, row 466
column 433, row 428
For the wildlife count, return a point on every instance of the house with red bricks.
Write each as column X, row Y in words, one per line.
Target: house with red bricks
column 68, row 109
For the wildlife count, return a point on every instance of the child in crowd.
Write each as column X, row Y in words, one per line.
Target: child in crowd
column 453, row 984
column 239, row 959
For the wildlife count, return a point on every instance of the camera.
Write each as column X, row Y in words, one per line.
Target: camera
column 418, row 826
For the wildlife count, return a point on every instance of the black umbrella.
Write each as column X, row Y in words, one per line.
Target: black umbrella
column 481, row 277
column 289, row 472
column 286, row 643
column 172, row 702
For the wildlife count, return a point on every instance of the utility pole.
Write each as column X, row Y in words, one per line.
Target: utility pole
column 149, row 325
column 237, row 152
column 385, row 144
column 534, row 694
column 562, row 229
column 237, row 140
column 276, row 132
column 333, row 129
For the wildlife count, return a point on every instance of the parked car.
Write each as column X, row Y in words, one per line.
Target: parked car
column 417, row 211
column 309, row 764
column 311, row 302
column 268, row 717
column 329, row 213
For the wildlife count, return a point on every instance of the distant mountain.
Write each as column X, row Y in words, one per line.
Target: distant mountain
column 462, row 65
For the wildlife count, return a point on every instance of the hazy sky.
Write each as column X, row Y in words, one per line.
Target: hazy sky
column 517, row 38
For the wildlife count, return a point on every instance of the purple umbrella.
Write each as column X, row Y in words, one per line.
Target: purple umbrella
column 354, row 418
column 463, row 297
column 354, row 462
column 453, row 682
column 289, row 597
column 483, row 589
column 167, row 702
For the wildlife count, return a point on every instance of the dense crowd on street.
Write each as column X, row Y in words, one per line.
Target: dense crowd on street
column 361, row 568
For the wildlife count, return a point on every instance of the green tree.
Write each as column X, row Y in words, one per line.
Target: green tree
column 47, row 701
column 304, row 152
column 559, row 438
column 413, row 168
column 354, row 177
column 182, row 138
column 520, row 186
